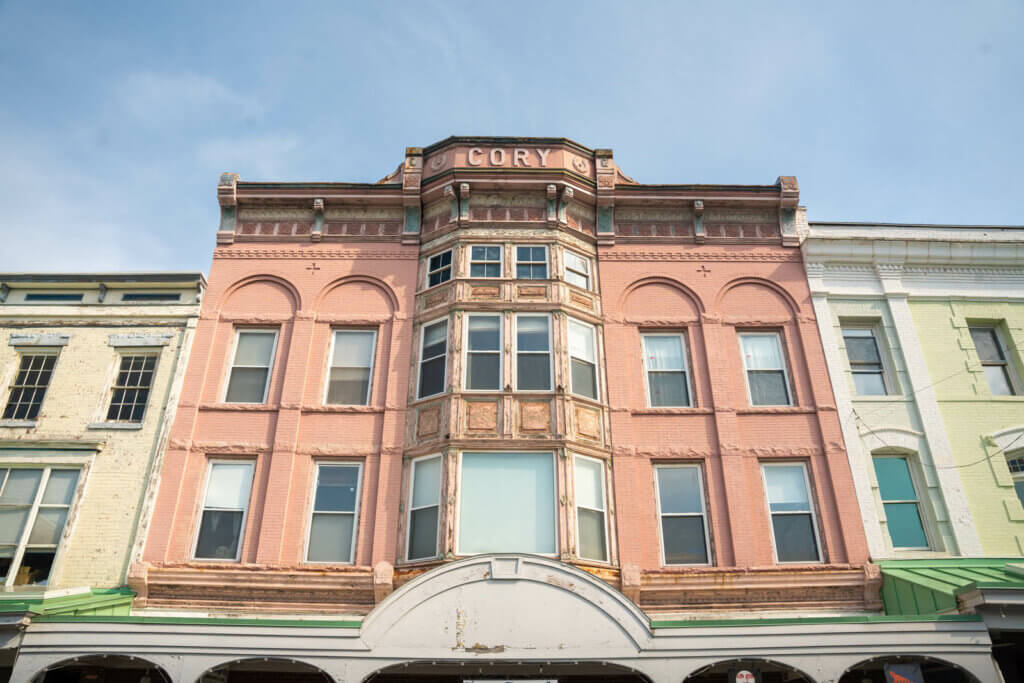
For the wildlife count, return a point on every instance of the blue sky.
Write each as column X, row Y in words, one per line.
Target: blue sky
column 117, row 118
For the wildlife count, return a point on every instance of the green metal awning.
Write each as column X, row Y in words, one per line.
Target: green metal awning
column 921, row 587
column 89, row 602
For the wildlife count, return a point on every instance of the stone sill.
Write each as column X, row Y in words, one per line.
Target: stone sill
column 127, row 426
column 28, row 424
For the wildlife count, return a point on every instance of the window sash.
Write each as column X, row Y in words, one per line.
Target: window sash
column 21, row 543
column 485, row 262
column 663, row 515
column 532, row 268
column 577, row 270
column 583, row 356
column 525, row 354
column 471, row 354
column 750, row 372
column 988, row 345
column 244, row 495
column 439, row 269
column 441, row 355
column 900, row 502
column 433, row 504
column 600, row 510
column 323, row 515
column 864, row 370
column 235, row 365
column 366, row 363
column 131, row 387
column 28, row 390
column 650, row 372
column 806, row 512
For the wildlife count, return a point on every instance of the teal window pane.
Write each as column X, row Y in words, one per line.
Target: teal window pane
column 1019, row 487
column 905, row 528
column 894, row 482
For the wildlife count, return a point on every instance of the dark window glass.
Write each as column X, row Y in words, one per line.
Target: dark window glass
column 29, row 387
column 219, row 534
column 150, row 296
column 439, row 268
column 531, row 263
column 432, row 359
column 684, row 540
column 794, row 538
column 131, row 389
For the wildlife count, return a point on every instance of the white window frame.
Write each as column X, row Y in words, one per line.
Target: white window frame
column 330, row 360
column 420, row 361
column 457, row 527
column 450, row 267
column 202, row 508
column 685, row 369
column 515, row 354
column 358, row 464
column 915, row 483
column 270, row 368
column 703, row 514
column 587, row 275
column 1009, row 369
column 37, row 502
column 888, row 375
column 603, row 510
column 785, row 369
column 810, row 504
column 500, row 262
column 500, row 353
column 597, row 365
column 408, row 517
column 515, row 261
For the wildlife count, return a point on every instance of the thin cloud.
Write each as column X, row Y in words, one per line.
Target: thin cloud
column 258, row 157
column 158, row 99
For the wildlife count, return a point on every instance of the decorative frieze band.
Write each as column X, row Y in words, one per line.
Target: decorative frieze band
column 351, row 254
column 774, row 257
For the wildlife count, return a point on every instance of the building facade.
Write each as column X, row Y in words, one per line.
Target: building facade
column 507, row 413
column 90, row 369
column 922, row 327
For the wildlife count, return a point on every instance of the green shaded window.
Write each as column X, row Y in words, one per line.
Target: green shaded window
column 899, row 498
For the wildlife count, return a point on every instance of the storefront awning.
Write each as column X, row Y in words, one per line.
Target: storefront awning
column 953, row 585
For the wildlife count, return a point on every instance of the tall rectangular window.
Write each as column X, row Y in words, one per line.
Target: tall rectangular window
column 483, row 352
column 533, row 353
column 225, row 506
column 132, row 385
column 591, row 507
column 583, row 359
column 439, row 268
column 577, row 270
column 34, row 506
column 29, row 387
column 507, row 503
column 794, row 531
column 433, row 358
column 351, row 373
column 684, row 529
column 250, row 369
column 532, row 263
column 865, row 361
column 424, row 508
column 899, row 498
column 993, row 358
column 485, row 261
column 332, row 529
column 767, row 380
column 668, row 382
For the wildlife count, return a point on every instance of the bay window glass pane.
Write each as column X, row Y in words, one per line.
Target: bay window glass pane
column 483, row 361
column 48, row 527
column 869, row 383
column 330, row 538
column 426, row 482
column 533, row 358
column 761, row 352
column 229, row 485
column 220, row 532
column 905, row 527
column 591, row 534
column 894, row 481
column 507, row 503
column 432, row 377
column 683, row 539
column 21, row 487
column 423, row 533
column 794, row 538
column 336, row 488
column 435, row 339
column 532, row 333
column 589, row 483
column 663, row 352
column 1018, row 486
column 668, row 389
column 583, row 359
column 787, row 489
column 433, row 356
column 533, row 372
column 679, row 490
column 584, row 378
column 12, row 523
column 483, row 371
column 768, row 388
column 581, row 341
column 247, row 385
column 998, row 382
column 254, row 348
column 484, row 333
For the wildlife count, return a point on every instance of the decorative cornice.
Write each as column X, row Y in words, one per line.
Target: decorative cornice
column 343, row 254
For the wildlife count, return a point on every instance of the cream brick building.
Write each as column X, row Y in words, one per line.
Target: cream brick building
column 90, row 371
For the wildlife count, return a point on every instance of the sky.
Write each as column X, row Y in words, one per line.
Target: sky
column 116, row 119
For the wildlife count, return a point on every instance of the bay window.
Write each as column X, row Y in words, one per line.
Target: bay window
column 591, row 509
column 533, row 353
column 583, row 359
column 485, row 261
column 424, row 508
column 532, row 263
column 433, row 358
column 577, row 269
column 483, row 352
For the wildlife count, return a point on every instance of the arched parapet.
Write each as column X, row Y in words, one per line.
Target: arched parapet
column 34, row 666
column 507, row 606
column 270, row 295
column 756, row 299
column 655, row 298
column 359, row 296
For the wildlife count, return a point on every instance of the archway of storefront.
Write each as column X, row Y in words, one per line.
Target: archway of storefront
column 265, row 670
column 761, row 670
column 933, row 670
column 103, row 669
column 459, row 671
